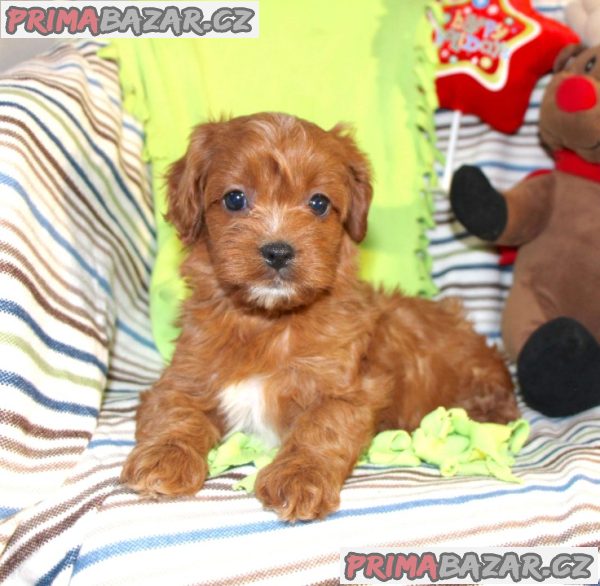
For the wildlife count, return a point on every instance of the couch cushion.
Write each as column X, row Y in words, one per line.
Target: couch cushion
column 76, row 249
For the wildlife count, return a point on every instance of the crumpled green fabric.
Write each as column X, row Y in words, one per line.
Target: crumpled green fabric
column 446, row 438
column 371, row 64
column 458, row 445
column 239, row 449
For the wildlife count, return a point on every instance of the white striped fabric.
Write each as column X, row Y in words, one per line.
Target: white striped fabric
column 76, row 251
column 463, row 265
column 90, row 530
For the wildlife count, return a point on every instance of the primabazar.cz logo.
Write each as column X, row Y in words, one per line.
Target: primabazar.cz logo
column 117, row 18
column 494, row 565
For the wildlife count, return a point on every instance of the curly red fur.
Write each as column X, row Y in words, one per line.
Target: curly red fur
column 307, row 354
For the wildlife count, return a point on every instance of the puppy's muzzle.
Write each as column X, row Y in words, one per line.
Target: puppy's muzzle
column 278, row 255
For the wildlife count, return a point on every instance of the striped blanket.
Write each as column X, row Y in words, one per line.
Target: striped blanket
column 76, row 246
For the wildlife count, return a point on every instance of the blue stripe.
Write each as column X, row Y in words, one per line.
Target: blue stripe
column 133, row 128
column 15, row 380
column 475, row 266
column 449, row 239
column 12, row 308
column 6, row 512
column 577, row 430
column 100, row 443
column 497, row 164
column 524, row 463
column 91, row 43
column 115, row 102
column 105, row 158
column 85, row 72
column 465, row 498
column 68, row 561
column 556, row 8
column 6, row 180
column 162, row 541
column 83, row 176
column 469, row 243
column 495, row 335
column 138, row 337
column 172, row 540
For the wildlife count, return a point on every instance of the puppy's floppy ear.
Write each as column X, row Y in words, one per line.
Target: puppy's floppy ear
column 359, row 182
column 186, row 181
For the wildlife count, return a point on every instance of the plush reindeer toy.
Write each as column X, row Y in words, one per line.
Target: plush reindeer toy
column 551, row 323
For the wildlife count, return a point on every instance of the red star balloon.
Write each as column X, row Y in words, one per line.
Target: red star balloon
column 492, row 53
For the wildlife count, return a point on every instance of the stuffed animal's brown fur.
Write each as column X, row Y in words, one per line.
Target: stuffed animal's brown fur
column 551, row 324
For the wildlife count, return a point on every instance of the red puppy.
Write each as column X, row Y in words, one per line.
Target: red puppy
column 279, row 337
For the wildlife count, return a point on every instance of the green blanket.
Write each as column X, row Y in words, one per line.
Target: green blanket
column 367, row 63
column 446, row 438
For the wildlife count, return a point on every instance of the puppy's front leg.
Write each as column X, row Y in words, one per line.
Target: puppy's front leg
column 174, row 435
column 305, row 479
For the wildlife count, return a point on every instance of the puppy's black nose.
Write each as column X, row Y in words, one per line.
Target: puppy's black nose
column 277, row 254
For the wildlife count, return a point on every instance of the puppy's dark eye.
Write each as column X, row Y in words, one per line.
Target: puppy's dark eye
column 235, row 200
column 590, row 65
column 319, row 204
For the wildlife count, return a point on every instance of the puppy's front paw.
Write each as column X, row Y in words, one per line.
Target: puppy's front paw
column 298, row 489
column 164, row 470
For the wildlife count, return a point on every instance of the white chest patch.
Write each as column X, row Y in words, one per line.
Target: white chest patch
column 243, row 406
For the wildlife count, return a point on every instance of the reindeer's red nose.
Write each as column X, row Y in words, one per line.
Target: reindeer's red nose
column 576, row 93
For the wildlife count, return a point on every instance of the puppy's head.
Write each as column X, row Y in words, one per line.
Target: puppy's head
column 273, row 198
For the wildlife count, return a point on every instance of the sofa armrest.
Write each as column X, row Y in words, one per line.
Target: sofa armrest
column 76, row 249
